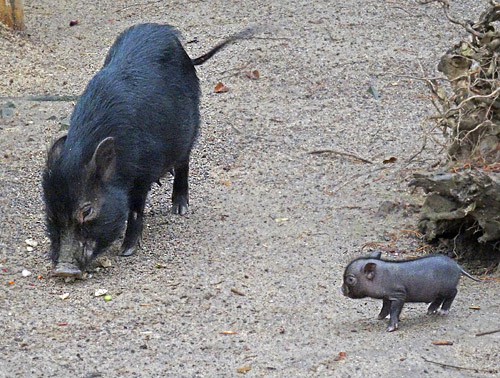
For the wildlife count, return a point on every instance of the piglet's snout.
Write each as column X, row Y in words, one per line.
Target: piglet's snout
column 343, row 291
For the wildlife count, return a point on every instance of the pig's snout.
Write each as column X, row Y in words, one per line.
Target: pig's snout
column 67, row 270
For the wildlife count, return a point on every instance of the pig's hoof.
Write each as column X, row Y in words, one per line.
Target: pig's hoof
column 67, row 270
column 127, row 251
column 443, row 312
column 180, row 205
column 381, row 316
column 432, row 312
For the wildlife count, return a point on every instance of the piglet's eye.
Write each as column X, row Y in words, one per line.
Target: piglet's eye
column 351, row 280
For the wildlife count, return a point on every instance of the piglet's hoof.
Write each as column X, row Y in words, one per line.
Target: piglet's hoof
column 443, row 312
column 392, row 328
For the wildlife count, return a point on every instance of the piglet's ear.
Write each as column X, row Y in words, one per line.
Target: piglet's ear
column 369, row 270
column 55, row 150
column 103, row 162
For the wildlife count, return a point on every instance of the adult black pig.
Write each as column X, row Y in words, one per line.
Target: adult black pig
column 430, row 279
column 136, row 120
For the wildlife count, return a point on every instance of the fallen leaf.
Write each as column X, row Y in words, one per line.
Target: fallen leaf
column 73, row 22
column 220, row 88
column 228, row 333
column 475, row 307
column 373, row 92
column 442, row 342
column 341, row 356
column 391, row 160
column 40, row 277
column 103, row 261
column 243, row 369
column 253, row 75
column 11, row 282
column 225, row 182
column 60, row 324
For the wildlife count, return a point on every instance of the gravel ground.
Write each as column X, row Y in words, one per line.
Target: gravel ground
column 249, row 278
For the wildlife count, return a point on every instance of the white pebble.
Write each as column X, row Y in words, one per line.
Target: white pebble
column 30, row 242
column 64, row 296
column 100, row 292
column 26, row 273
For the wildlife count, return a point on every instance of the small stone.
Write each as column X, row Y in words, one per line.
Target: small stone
column 64, row 296
column 65, row 123
column 100, row 292
column 29, row 249
column 26, row 273
column 7, row 113
column 31, row 242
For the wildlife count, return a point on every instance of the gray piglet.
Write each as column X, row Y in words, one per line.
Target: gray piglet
column 430, row 279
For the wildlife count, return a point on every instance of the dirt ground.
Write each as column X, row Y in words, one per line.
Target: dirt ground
column 247, row 282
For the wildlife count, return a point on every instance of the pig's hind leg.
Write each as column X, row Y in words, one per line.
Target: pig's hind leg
column 434, row 306
column 180, row 191
column 386, row 309
column 445, row 308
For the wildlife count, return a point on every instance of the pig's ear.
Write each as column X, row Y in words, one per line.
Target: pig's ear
column 103, row 162
column 376, row 254
column 369, row 270
column 55, row 150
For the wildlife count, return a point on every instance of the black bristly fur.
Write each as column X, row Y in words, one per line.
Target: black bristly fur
column 137, row 119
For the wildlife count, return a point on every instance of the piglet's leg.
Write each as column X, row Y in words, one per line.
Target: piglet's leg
column 433, row 307
column 396, row 307
column 445, row 308
column 386, row 309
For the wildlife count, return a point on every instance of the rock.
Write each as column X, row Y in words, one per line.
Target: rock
column 7, row 113
column 65, row 123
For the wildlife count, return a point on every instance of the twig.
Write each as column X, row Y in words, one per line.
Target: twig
column 487, row 332
column 318, row 152
column 446, row 6
column 491, row 371
column 420, row 151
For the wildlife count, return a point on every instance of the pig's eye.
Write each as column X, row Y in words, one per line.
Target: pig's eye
column 86, row 213
column 350, row 280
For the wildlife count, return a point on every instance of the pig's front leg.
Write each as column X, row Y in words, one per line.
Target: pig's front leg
column 396, row 307
column 386, row 309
